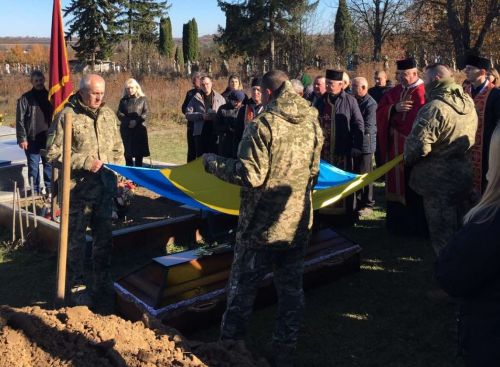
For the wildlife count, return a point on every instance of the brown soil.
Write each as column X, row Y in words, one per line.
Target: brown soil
column 32, row 336
column 146, row 207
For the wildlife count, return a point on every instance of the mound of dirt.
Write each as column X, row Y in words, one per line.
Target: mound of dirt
column 75, row 336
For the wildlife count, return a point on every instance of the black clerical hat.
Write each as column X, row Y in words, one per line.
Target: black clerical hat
column 405, row 64
column 256, row 82
column 334, row 74
column 477, row 61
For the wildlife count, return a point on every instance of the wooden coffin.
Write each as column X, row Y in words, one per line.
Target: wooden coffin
column 187, row 290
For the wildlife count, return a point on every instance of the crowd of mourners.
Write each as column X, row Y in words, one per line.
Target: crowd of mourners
column 447, row 186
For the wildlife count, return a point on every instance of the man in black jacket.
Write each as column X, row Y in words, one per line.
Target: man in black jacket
column 343, row 130
column 196, row 79
column 319, row 88
column 381, row 85
column 33, row 116
column 364, row 162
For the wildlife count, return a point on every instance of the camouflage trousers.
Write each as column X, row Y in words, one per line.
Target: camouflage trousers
column 96, row 214
column 444, row 215
column 249, row 268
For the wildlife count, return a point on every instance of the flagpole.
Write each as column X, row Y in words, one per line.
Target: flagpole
column 63, row 227
column 60, row 89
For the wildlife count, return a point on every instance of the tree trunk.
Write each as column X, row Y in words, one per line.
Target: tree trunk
column 377, row 46
column 271, row 37
column 377, row 51
column 129, row 39
column 456, row 32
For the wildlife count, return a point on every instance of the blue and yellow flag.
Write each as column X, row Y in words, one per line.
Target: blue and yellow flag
column 189, row 184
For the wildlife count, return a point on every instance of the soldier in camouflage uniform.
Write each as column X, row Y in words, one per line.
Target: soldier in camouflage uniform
column 437, row 148
column 277, row 164
column 95, row 141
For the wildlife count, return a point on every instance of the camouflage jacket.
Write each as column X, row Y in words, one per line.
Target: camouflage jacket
column 437, row 147
column 278, row 160
column 95, row 136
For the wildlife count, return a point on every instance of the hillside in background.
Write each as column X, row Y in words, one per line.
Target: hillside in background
column 7, row 42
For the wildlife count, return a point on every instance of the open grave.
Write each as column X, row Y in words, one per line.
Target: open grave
column 185, row 289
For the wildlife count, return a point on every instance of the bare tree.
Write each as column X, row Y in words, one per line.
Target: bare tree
column 380, row 18
column 470, row 23
column 461, row 20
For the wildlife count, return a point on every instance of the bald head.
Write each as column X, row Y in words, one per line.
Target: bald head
column 89, row 79
column 346, row 80
column 380, row 78
column 92, row 87
column 435, row 72
column 359, row 87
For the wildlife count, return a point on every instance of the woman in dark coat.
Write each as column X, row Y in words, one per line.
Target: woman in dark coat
column 468, row 268
column 132, row 112
column 233, row 83
column 230, row 124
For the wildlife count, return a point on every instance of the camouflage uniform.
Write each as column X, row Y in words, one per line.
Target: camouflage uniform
column 95, row 136
column 278, row 160
column 437, row 148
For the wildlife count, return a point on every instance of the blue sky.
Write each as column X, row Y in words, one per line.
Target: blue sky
column 32, row 17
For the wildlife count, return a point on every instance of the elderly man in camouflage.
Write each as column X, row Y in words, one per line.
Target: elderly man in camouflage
column 96, row 141
column 277, row 164
column 437, row 148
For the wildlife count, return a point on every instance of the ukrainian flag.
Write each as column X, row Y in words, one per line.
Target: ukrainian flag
column 189, row 184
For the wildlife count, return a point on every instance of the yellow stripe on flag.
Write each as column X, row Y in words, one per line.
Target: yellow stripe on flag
column 323, row 198
column 224, row 197
column 205, row 188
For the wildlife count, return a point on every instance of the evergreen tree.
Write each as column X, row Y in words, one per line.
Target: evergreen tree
column 345, row 38
column 167, row 45
column 194, row 46
column 94, row 24
column 190, row 40
column 138, row 20
column 186, row 30
column 258, row 27
column 179, row 57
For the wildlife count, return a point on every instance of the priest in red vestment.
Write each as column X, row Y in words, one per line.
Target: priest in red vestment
column 487, row 100
column 396, row 113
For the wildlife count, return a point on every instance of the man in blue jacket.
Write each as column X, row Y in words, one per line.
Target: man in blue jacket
column 364, row 162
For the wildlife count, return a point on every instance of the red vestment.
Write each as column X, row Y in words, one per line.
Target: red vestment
column 477, row 149
column 392, row 129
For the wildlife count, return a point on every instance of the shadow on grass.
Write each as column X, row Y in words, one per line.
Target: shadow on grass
column 28, row 277
column 380, row 316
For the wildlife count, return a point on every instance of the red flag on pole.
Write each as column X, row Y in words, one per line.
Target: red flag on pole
column 60, row 87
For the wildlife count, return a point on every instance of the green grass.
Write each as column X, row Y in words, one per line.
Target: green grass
column 28, row 276
column 168, row 144
column 380, row 316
